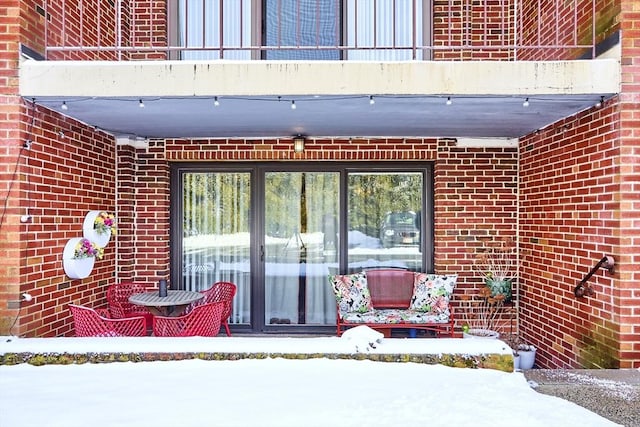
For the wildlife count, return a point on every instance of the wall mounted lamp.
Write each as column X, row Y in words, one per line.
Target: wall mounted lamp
column 298, row 144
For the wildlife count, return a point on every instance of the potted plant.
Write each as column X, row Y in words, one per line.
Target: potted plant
column 481, row 314
column 79, row 256
column 524, row 355
column 497, row 264
column 98, row 227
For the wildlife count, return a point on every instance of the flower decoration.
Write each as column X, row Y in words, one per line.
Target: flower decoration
column 105, row 222
column 86, row 249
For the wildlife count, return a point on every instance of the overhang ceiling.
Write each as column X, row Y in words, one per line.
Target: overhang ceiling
column 332, row 100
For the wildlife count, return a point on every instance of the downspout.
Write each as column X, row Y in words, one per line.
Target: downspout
column 116, row 208
column 515, row 37
column 518, row 258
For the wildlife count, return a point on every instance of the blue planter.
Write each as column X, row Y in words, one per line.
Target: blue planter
column 500, row 287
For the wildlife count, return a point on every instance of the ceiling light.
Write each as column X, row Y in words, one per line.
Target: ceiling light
column 298, row 144
column 526, row 102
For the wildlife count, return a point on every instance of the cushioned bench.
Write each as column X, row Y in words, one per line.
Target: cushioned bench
column 389, row 298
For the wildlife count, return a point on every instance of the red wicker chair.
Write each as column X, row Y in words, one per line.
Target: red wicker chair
column 118, row 299
column 95, row 323
column 201, row 321
column 220, row 291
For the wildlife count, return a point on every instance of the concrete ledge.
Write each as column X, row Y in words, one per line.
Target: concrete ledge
column 454, row 352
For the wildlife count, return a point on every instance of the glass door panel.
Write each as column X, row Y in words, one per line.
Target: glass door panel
column 301, row 246
column 216, row 241
column 384, row 220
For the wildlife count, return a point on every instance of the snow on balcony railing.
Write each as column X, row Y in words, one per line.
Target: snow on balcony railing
column 319, row 29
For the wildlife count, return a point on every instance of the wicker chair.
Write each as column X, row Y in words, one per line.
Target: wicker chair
column 96, row 323
column 118, row 300
column 220, row 291
column 202, row 321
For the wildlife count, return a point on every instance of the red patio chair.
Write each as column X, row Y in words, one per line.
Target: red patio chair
column 95, row 323
column 220, row 291
column 118, row 300
column 201, row 321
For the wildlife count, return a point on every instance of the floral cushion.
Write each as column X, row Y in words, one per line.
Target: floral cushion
column 431, row 292
column 352, row 293
column 391, row 316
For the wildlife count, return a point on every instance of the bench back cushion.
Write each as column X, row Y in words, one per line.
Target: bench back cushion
column 352, row 293
column 432, row 292
column 390, row 287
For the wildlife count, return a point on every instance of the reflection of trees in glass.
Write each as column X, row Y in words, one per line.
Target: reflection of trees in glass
column 216, row 203
column 372, row 195
column 287, row 211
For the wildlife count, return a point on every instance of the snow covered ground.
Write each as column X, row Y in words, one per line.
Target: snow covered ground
column 271, row 392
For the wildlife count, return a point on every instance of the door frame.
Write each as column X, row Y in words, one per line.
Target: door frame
column 257, row 227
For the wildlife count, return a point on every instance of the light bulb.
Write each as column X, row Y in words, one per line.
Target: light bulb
column 526, row 102
column 293, row 105
column 141, row 104
column 371, row 100
column 64, row 105
column 449, row 102
column 216, row 103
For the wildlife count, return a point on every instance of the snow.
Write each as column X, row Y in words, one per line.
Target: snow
column 275, row 391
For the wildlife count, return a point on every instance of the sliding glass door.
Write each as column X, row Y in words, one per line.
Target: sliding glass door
column 301, row 246
column 277, row 231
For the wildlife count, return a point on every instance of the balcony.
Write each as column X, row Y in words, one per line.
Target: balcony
column 352, row 68
column 321, row 29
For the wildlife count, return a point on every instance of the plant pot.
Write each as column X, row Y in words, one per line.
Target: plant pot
column 89, row 232
column 76, row 268
column 527, row 355
column 480, row 333
column 500, row 287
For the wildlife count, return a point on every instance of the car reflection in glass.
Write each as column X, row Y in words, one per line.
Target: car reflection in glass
column 399, row 229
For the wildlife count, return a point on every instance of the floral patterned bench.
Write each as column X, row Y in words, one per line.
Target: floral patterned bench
column 388, row 298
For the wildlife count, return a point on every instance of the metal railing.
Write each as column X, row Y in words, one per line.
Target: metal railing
column 317, row 29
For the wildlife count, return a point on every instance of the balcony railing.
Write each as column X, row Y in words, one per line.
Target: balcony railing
column 320, row 29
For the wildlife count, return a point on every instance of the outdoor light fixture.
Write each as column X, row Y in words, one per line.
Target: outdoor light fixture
column 298, row 144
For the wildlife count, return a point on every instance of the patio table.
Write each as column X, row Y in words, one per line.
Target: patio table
column 172, row 305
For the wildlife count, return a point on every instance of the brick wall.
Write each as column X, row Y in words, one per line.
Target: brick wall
column 569, row 219
column 543, row 25
column 68, row 171
column 629, row 178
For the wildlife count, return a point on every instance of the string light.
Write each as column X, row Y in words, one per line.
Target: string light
column 600, row 103
column 526, row 102
column 371, row 100
column 216, row 103
column 140, row 104
column 293, row 105
column 449, row 102
column 64, row 105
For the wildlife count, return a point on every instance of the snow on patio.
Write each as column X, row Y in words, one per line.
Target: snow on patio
column 274, row 391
